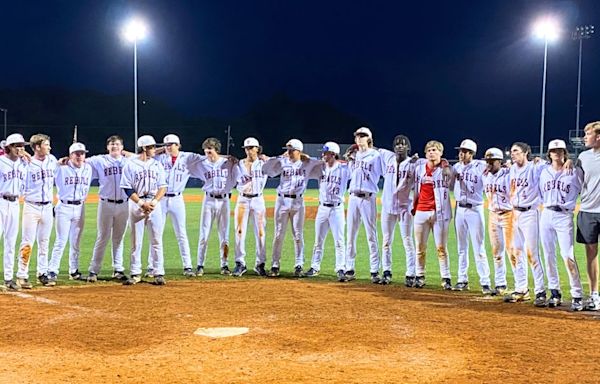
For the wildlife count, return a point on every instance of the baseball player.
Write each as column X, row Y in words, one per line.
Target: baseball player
column 294, row 169
column 37, row 211
column 469, row 219
column 496, row 184
column 13, row 170
column 525, row 199
column 432, row 211
column 250, row 203
column 175, row 163
column 588, row 218
column 559, row 189
column 113, row 214
column 143, row 180
column 73, row 184
column 333, row 181
column 365, row 166
column 219, row 174
column 398, row 176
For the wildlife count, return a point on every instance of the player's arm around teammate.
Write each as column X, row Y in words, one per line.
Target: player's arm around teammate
column 144, row 182
column 433, row 212
column 13, row 170
column 73, row 184
column 37, row 211
column 559, row 190
column 250, row 204
column 398, row 176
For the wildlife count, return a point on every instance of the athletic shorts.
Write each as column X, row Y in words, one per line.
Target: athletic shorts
column 588, row 227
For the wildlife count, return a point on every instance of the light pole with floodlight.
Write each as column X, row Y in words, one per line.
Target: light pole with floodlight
column 548, row 30
column 581, row 33
column 134, row 31
column 5, row 112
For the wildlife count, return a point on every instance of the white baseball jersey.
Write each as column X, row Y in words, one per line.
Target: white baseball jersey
column 590, row 163
column 144, row 177
column 293, row 174
column 40, row 179
column 524, row 185
column 398, row 182
column 366, row 170
column 560, row 188
column 333, row 182
column 468, row 188
column 497, row 190
column 12, row 176
column 219, row 177
column 177, row 173
column 108, row 171
column 72, row 183
column 251, row 182
column 441, row 189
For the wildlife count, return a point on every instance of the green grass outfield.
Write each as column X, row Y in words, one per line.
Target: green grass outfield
column 174, row 267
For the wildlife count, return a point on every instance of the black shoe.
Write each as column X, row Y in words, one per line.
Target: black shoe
column 12, row 285
column 260, row 270
column 75, row 275
column 188, row 272
column 447, row 284
column 159, row 280
column 298, row 272
column 341, row 276
column 311, row 273
column 133, row 280
column 119, row 275
column 274, row 272
column 225, row 270
column 45, row 281
column 92, row 277
column 239, row 269
column 540, row 299
column 499, row 290
column 419, row 282
column 350, row 275
column 460, row 286
column 199, row 270
column 409, row 281
column 387, row 278
column 555, row 298
column 375, row 278
column 486, row 290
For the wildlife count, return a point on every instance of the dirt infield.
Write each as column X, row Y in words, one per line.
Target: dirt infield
column 300, row 331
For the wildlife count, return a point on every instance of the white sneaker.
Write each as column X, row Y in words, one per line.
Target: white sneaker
column 592, row 303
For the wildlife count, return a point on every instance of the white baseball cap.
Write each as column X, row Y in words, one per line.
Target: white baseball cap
column 365, row 131
column 494, row 154
column 15, row 138
column 250, row 142
column 553, row 144
column 171, row 139
column 330, row 146
column 468, row 144
column 77, row 147
column 146, row 140
column 294, row 144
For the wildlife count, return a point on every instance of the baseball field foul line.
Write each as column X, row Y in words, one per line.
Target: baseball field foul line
column 44, row 300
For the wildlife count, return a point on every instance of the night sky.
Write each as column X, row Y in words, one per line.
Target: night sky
column 430, row 69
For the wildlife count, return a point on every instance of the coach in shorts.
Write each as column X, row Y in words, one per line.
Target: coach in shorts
column 588, row 219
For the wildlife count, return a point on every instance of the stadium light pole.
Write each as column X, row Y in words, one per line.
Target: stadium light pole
column 5, row 112
column 548, row 30
column 581, row 33
column 134, row 31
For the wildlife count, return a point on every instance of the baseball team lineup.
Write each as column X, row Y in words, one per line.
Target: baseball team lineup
column 529, row 202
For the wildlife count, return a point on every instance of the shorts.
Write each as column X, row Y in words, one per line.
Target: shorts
column 588, row 227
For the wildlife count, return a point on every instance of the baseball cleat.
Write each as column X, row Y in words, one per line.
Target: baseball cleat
column 375, row 278
column 188, row 272
column 149, row 273
column 133, row 280
column 461, row 286
column 119, row 275
column 24, row 283
column 419, row 282
column 92, row 278
column 499, row 290
column 52, row 277
column 12, row 285
column 274, row 272
column 239, row 269
column 341, row 276
column 350, row 275
column 298, row 272
column 515, row 297
column 75, row 275
column 387, row 278
column 540, row 300
column 311, row 273
column 45, row 281
column 225, row 270
column 409, row 281
column 200, row 270
column 160, row 280
column 486, row 290
column 577, row 304
column 555, row 299
column 447, row 284
column 260, row 269
column 592, row 303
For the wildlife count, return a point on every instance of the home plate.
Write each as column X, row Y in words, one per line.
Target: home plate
column 216, row 333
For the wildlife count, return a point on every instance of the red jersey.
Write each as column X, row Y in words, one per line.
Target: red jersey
column 426, row 200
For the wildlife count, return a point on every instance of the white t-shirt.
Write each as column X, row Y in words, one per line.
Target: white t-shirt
column 590, row 191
